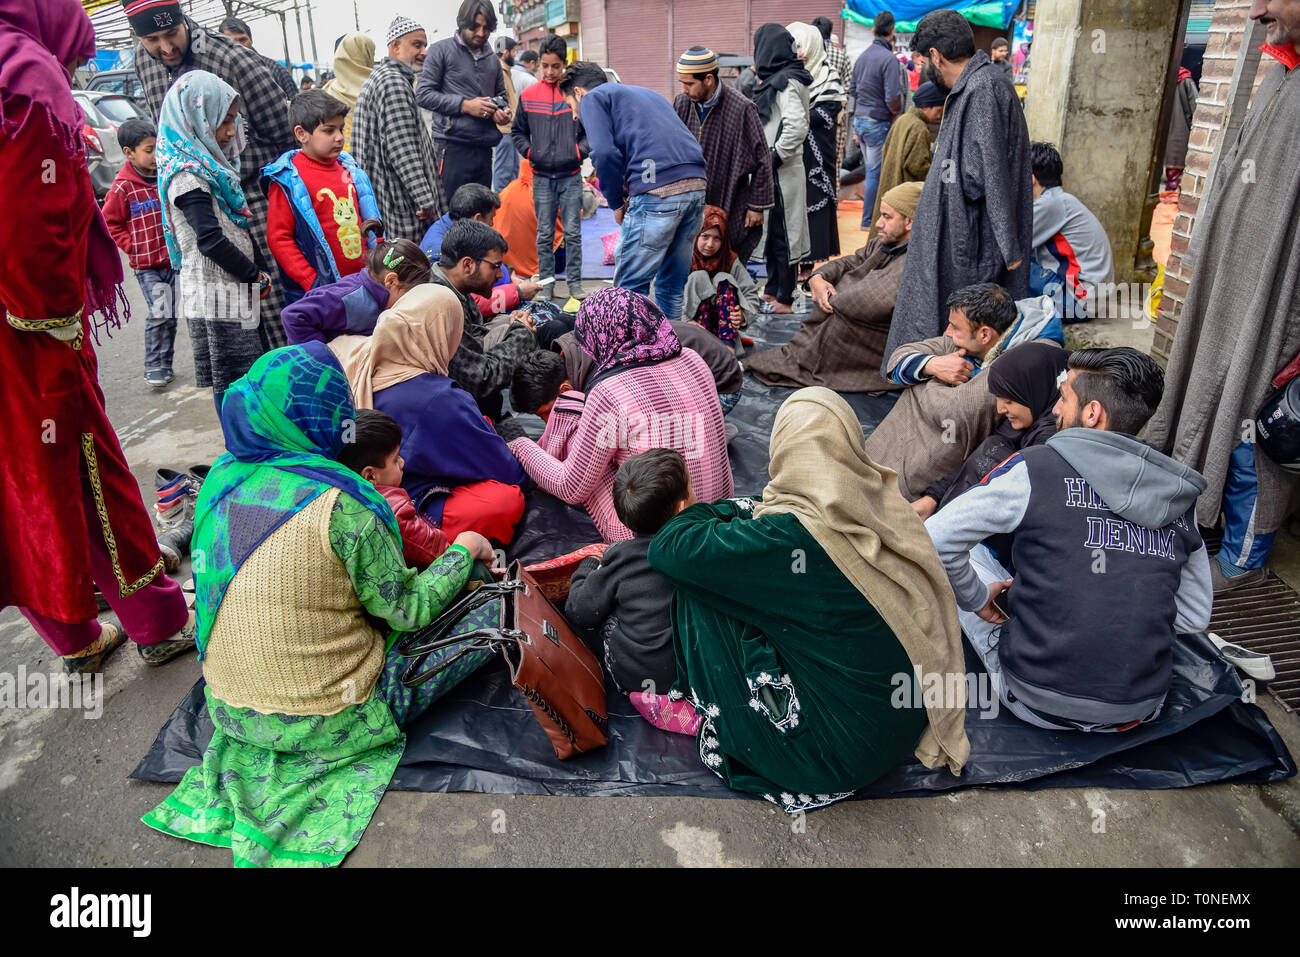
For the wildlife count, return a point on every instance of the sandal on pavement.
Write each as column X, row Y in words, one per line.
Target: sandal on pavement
column 91, row 658
column 164, row 651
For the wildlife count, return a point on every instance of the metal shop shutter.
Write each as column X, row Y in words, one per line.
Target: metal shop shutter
column 640, row 47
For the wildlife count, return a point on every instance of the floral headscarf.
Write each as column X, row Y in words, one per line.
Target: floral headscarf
column 194, row 107
column 618, row 327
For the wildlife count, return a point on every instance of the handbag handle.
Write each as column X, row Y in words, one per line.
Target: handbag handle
column 480, row 640
column 429, row 636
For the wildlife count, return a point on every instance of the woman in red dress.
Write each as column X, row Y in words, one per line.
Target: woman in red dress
column 71, row 515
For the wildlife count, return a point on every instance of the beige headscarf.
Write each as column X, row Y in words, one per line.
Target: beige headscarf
column 353, row 61
column 811, row 48
column 821, row 473
column 420, row 334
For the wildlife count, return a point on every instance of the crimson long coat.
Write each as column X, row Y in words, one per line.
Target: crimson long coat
column 59, row 449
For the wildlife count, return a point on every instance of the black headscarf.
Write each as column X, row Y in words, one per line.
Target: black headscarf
column 777, row 64
column 1029, row 374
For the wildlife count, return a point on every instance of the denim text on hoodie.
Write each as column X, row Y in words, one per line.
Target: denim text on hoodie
column 1108, row 562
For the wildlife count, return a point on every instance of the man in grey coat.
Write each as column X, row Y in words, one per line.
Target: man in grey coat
column 976, row 218
column 1240, row 324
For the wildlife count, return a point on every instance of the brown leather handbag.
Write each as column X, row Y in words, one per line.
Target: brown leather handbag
column 548, row 663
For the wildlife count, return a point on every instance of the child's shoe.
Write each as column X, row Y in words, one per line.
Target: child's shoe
column 159, row 378
column 666, row 715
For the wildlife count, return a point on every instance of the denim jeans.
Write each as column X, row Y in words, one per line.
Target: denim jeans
column 655, row 245
column 564, row 194
column 871, row 137
column 161, row 296
column 505, row 164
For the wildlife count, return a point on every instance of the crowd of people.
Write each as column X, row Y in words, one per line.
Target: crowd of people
column 371, row 353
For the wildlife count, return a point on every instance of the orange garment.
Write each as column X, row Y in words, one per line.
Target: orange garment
column 516, row 220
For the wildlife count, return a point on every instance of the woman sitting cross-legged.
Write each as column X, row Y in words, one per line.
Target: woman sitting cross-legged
column 720, row 293
column 458, row 470
column 795, row 623
column 1026, row 383
column 298, row 565
column 644, row 391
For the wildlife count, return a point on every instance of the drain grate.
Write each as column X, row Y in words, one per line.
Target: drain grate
column 1265, row 618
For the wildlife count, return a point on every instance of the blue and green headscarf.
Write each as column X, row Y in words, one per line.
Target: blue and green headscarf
column 285, row 423
column 193, row 108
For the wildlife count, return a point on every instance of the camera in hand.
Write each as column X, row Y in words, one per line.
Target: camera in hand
column 500, row 102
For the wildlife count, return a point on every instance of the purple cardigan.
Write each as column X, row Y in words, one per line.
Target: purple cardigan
column 350, row 306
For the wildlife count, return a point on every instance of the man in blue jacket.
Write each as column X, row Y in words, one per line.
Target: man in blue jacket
column 651, row 172
column 462, row 84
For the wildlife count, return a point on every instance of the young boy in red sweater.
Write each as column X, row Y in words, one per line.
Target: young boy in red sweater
column 134, row 216
column 319, row 198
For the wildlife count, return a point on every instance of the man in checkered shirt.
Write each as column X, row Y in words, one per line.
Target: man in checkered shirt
column 171, row 44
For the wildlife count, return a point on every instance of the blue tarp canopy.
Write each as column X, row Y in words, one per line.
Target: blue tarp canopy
column 985, row 13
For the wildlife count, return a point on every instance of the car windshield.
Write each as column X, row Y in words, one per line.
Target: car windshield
column 117, row 108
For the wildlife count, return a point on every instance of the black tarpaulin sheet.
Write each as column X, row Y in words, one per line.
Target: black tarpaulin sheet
column 483, row 737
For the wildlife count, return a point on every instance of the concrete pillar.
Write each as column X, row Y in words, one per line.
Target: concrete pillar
column 1099, row 77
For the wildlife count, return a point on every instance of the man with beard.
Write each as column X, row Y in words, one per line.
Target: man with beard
column 839, row 346
column 736, row 157
column 462, row 83
column 976, row 219
column 1108, row 563
column 486, row 360
column 390, row 143
column 171, row 44
column 1239, row 325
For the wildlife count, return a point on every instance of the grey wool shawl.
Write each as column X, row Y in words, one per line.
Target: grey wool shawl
column 1240, row 323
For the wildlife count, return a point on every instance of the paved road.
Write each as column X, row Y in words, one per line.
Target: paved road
column 65, row 798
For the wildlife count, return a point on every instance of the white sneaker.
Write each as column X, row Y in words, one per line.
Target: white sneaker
column 1251, row 662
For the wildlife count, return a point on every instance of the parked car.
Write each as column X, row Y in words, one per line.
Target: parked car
column 125, row 82
column 105, row 112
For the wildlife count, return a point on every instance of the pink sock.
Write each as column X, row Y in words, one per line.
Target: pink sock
column 675, row 716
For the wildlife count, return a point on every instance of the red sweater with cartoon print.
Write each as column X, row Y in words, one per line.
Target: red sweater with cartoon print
column 334, row 198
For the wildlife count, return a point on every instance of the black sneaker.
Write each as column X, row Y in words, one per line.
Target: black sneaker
column 159, row 378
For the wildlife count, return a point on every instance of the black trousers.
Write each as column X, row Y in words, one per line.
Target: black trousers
column 461, row 163
column 781, row 276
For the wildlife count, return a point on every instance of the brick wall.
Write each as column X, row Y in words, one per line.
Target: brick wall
column 1228, row 30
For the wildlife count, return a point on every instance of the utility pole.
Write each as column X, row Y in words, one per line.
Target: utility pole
column 284, row 31
column 356, row 17
column 302, row 50
column 311, row 29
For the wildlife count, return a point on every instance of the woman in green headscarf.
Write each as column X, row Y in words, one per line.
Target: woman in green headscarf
column 794, row 620
column 296, row 560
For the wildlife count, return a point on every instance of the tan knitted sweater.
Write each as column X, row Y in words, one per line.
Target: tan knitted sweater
column 291, row 636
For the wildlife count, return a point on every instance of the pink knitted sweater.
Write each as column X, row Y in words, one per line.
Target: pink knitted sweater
column 672, row 404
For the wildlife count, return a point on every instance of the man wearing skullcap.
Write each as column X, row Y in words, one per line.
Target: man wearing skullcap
column 171, row 44
column 907, row 147
column 736, row 157
column 391, row 143
column 841, row 344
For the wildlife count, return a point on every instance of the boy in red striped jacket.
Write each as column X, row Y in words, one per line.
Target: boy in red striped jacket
column 134, row 216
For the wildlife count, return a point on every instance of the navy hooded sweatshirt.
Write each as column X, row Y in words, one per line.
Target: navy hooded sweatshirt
column 1109, row 565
